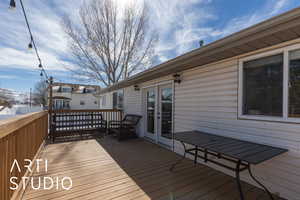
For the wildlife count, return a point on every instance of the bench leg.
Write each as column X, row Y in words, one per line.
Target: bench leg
column 259, row 183
column 180, row 160
column 238, row 180
column 196, row 155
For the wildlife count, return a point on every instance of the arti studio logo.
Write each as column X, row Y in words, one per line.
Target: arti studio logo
column 38, row 183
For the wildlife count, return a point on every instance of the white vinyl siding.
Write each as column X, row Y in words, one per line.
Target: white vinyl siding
column 207, row 100
column 132, row 101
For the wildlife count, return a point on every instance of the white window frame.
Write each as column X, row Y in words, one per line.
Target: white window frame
column 284, row 118
column 103, row 100
column 69, row 89
column 118, row 103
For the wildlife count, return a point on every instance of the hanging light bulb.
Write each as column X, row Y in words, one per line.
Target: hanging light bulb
column 30, row 46
column 12, row 4
column 41, row 74
column 30, row 43
column 40, row 65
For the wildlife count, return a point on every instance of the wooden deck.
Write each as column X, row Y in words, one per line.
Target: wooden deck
column 136, row 169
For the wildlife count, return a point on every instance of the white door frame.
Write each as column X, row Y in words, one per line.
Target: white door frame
column 151, row 136
column 162, row 139
column 156, row 135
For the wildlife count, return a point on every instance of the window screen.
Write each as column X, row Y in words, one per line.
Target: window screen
column 263, row 91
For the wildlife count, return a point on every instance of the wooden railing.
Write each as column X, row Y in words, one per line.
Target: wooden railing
column 66, row 123
column 20, row 138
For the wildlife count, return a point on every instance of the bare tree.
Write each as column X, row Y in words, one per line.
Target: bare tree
column 110, row 43
column 4, row 104
column 6, row 99
column 40, row 93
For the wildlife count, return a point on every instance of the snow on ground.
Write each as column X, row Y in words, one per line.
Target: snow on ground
column 18, row 110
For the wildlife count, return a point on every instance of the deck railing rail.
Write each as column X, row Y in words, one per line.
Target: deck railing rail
column 69, row 122
column 20, row 138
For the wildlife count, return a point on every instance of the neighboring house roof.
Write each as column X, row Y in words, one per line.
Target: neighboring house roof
column 76, row 88
column 273, row 31
column 61, row 97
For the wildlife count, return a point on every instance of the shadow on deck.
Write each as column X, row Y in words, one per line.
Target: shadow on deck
column 107, row 169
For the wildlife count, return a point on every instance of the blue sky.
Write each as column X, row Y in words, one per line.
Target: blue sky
column 179, row 23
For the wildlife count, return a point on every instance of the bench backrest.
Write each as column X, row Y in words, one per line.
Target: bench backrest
column 133, row 119
column 72, row 121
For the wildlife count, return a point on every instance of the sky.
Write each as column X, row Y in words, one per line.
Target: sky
column 180, row 24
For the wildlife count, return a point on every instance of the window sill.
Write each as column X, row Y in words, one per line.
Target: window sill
column 269, row 119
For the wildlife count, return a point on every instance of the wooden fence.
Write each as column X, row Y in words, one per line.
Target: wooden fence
column 20, row 138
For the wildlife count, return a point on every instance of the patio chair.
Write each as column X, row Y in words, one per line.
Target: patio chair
column 126, row 128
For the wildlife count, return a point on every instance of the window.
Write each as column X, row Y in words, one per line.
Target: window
column 66, row 89
column 88, row 90
column 262, row 90
column 118, row 98
column 269, row 86
column 66, row 104
column 294, row 83
column 104, row 100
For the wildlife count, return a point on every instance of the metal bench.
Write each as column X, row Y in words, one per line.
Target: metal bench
column 126, row 128
column 241, row 153
column 77, row 123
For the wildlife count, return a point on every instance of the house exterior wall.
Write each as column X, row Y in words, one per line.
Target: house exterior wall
column 132, row 101
column 108, row 101
column 207, row 100
column 90, row 101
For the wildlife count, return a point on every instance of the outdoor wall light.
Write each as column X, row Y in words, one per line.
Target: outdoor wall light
column 177, row 78
column 136, row 88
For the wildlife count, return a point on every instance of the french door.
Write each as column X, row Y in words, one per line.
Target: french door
column 159, row 113
column 150, row 114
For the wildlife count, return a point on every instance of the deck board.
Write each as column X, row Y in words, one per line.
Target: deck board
column 107, row 169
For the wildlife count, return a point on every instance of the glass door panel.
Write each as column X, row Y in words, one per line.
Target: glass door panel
column 151, row 113
column 166, row 112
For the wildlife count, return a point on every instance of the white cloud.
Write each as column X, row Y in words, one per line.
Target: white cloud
column 279, row 5
column 181, row 26
column 8, row 77
column 27, row 60
column 179, row 23
column 236, row 24
column 47, row 32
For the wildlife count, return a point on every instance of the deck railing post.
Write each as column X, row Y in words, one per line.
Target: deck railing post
column 50, row 104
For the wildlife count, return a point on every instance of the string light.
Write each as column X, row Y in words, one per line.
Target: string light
column 32, row 42
column 30, row 46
